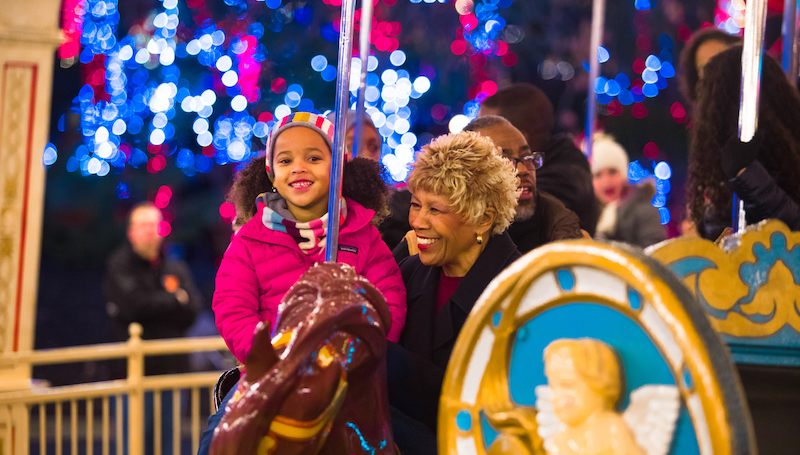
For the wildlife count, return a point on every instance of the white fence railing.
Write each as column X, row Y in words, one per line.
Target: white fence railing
column 110, row 417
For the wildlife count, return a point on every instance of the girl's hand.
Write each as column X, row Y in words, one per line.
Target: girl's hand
column 736, row 155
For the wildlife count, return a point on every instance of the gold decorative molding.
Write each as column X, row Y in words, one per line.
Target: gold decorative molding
column 751, row 292
column 582, row 289
column 18, row 84
column 27, row 36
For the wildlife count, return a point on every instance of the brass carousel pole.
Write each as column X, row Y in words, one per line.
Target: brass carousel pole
column 340, row 123
column 363, row 52
column 598, row 22
column 755, row 17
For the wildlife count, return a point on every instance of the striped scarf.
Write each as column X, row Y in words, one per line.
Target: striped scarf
column 310, row 236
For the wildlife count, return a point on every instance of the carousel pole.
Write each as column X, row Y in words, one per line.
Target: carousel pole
column 363, row 53
column 340, row 123
column 755, row 17
column 791, row 26
column 598, row 22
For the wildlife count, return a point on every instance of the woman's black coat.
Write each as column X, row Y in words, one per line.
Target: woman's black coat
column 418, row 362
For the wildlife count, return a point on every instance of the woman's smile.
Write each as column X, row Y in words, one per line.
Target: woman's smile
column 425, row 242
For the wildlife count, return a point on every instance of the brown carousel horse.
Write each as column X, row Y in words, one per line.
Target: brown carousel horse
column 319, row 384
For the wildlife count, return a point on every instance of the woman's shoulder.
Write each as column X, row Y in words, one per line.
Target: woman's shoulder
column 411, row 267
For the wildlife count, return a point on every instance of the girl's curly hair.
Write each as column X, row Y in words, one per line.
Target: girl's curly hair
column 716, row 121
column 362, row 182
column 247, row 185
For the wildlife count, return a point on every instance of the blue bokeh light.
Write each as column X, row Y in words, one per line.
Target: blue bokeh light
column 602, row 54
column 662, row 170
column 319, row 63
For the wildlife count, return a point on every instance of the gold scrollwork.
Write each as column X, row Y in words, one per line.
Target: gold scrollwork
column 749, row 292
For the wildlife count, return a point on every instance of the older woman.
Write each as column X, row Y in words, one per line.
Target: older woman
column 464, row 195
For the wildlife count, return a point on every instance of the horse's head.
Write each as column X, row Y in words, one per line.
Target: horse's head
column 329, row 337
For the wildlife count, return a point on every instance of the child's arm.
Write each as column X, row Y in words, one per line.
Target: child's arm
column 381, row 270
column 235, row 302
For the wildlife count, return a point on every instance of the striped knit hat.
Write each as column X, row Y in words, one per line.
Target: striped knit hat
column 316, row 122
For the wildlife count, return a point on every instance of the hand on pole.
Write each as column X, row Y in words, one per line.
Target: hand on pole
column 736, row 155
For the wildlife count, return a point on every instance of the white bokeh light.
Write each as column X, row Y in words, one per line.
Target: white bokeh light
column 457, row 123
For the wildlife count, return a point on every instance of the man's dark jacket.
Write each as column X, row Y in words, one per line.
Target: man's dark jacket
column 551, row 221
column 135, row 293
column 567, row 176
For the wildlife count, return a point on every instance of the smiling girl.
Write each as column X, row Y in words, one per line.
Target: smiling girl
column 288, row 235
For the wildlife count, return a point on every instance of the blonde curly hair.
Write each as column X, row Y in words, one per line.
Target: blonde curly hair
column 469, row 170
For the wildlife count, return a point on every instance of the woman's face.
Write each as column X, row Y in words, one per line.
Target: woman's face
column 443, row 237
column 303, row 172
column 608, row 184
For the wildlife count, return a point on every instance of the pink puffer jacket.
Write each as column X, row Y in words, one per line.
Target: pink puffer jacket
column 261, row 265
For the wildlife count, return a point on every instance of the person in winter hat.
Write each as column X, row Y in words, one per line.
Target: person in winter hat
column 627, row 215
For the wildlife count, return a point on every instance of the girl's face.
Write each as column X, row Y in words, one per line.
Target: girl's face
column 608, row 184
column 303, row 172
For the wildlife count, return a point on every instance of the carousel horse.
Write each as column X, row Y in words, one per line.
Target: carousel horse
column 318, row 385
column 582, row 347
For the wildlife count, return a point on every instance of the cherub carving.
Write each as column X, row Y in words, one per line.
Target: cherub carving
column 576, row 410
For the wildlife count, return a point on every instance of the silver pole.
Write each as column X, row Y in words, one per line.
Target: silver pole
column 755, row 17
column 755, row 22
column 342, row 100
column 789, row 31
column 598, row 21
column 363, row 52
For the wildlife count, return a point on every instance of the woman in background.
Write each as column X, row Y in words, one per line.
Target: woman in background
column 703, row 45
column 762, row 172
column 628, row 214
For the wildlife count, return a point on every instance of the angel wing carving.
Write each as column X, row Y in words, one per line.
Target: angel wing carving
column 545, row 415
column 651, row 416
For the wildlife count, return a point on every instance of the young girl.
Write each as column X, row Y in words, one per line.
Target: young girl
column 288, row 235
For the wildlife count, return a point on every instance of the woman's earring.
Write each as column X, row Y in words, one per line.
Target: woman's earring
column 480, row 239
column 274, row 190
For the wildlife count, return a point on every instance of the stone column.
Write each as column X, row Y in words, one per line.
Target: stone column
column 29, row 35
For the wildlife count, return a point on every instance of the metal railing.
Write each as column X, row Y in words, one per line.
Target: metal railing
column 110, row 416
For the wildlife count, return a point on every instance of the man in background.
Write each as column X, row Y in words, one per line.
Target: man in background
column 144, row 286
column 540, row 217
column 565, row 173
